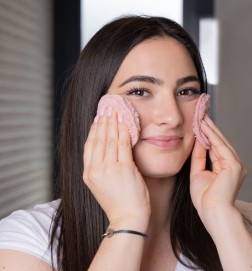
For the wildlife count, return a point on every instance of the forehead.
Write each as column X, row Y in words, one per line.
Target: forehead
column 160, row 57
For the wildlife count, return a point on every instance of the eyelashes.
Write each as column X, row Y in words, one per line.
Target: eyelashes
column 183, row 93
column 138, row 91
column 188, row 91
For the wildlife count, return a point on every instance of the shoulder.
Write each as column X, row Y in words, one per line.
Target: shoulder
column 29, row 230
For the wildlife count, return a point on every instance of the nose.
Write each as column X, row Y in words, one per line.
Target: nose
column 166, row 112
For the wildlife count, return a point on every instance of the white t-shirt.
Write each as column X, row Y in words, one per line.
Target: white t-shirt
column 29, row 231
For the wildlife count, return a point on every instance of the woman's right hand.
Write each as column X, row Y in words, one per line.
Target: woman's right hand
column 111, row 174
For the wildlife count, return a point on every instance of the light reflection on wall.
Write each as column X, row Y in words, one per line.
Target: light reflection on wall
column 209, row 48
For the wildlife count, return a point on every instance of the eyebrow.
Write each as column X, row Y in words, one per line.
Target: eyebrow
column 143, row 78
column 187, row 79
column 157, row 81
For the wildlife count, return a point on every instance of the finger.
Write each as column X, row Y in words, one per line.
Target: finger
column 222, row 151
column 198, row 160
column 211, row 124
column 89, row 146
column 124, row 143
column 99, row 142
column 216, row 160
column 112, row 137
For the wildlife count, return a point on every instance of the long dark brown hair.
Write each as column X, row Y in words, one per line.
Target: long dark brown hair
column 79, row 217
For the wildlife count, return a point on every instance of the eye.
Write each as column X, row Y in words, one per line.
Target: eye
column 188, row 92
column 138, row 92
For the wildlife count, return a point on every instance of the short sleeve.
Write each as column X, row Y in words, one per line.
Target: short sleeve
column 29, row 230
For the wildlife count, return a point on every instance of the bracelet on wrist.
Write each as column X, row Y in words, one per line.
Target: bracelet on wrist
column 110, row 232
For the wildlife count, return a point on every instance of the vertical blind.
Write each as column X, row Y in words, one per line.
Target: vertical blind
column 26, row 115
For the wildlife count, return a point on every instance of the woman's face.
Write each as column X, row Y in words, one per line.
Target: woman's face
column 159, row 78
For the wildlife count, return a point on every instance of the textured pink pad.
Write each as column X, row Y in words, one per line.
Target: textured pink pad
column 128, row 112
column 200, row 111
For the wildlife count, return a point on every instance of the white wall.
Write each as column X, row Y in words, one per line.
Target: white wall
column 96, row 13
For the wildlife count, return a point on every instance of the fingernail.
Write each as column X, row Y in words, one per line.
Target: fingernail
column 120, row 117
column 102, row 111
column 109, row 112
column 204, row 122
column 96, row 119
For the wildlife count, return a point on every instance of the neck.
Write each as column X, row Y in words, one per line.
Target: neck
column 160, row 191
column 158, row 251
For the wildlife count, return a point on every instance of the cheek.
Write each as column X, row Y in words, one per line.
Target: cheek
column 142, row 110
column 146, row 120
column 187, row 112
column 189, row 137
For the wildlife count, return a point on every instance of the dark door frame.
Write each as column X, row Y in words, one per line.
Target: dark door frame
column 193, row 11
column 67, row 45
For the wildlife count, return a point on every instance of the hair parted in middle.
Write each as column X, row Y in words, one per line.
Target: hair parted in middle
column 80, row 218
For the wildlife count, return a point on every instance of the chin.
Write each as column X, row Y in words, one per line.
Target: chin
column 155, row 168
column 158, row 175
column 160, row 164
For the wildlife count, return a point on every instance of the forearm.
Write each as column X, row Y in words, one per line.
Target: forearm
column 123, row 251
column 233, row 240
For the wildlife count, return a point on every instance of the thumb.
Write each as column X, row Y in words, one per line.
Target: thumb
column 198, row 160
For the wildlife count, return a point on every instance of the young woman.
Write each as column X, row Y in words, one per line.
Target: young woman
column 168, row 187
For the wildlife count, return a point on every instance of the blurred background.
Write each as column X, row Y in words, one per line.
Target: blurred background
column 39, row 44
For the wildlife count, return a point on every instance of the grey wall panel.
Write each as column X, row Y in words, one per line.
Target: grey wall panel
column 25, row 103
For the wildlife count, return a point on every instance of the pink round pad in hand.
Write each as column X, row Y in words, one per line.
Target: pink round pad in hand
column 123, row 106
column 200, row 111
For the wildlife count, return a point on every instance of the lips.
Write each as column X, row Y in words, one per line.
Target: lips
column 166, row 142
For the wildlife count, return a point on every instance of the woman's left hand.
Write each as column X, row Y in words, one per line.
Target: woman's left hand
column 215, row 191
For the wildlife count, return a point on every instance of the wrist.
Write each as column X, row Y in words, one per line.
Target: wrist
column 221, row 220
column 110, row 232
column 135, row 223
column 232, row 238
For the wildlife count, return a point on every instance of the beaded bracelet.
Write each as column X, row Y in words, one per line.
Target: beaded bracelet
column 110, row 232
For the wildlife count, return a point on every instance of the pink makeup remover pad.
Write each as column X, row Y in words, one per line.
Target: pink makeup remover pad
column 123, row 106
column 200, row 111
